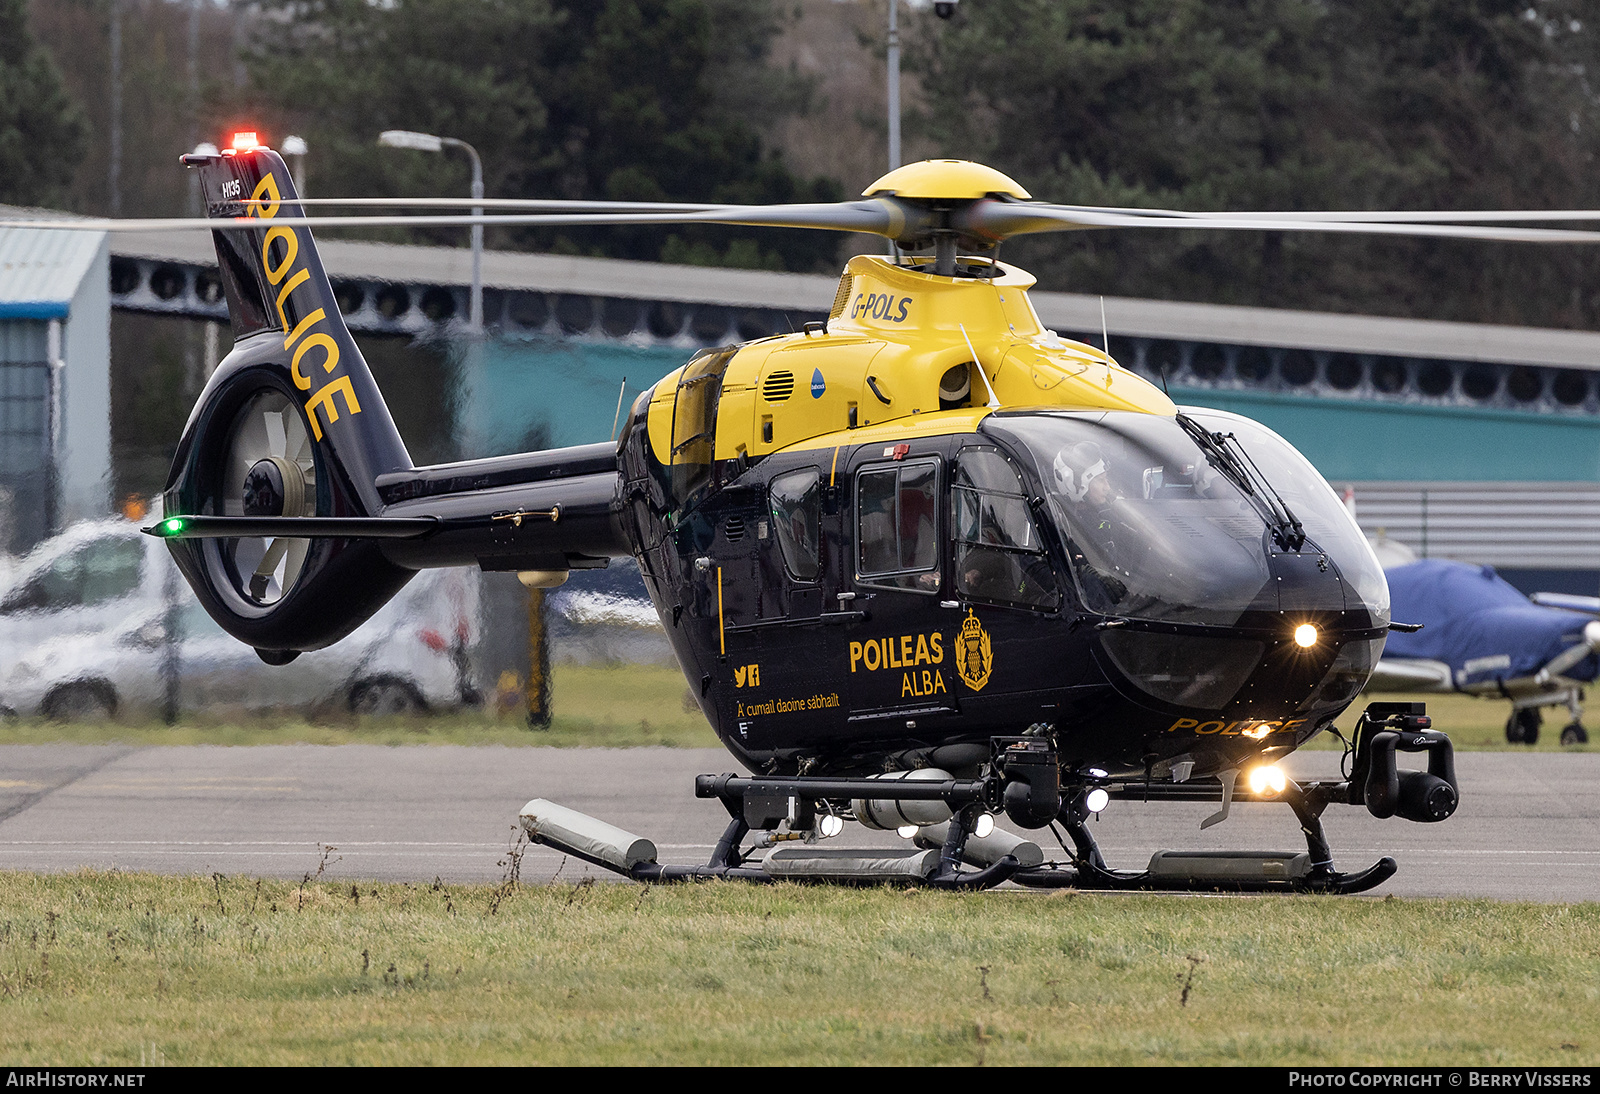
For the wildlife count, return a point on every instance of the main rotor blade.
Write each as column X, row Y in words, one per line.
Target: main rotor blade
column 894, row 219
column 552, row 204
column 1000, row 220
column 1366, row 216
column 876, row 216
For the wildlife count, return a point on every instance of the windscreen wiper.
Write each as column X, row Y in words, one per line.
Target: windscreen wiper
column 1227, row 455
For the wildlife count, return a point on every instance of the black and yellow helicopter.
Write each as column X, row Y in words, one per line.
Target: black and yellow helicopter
column 922, row 564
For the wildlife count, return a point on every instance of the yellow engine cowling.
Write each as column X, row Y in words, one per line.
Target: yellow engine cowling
column 900, row 343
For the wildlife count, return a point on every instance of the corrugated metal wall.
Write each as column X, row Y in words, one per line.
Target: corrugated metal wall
column 1517, row 525
column 24, row 432
column 24, row 341
column 24, row 418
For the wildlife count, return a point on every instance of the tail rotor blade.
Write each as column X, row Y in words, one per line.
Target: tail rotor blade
column 294, row 560
column 260, row 581
column 277, row 437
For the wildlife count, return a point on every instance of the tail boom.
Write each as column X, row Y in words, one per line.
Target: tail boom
column 309, row 513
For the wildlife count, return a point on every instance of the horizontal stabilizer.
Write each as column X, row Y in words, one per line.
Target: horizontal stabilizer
column 203, row 527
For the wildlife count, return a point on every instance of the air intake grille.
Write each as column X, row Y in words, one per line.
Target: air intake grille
column 778, row 386
column 735, row 529
column 842, row 297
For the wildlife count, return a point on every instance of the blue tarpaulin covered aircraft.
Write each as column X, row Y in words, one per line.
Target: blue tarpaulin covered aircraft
column 1481, row 636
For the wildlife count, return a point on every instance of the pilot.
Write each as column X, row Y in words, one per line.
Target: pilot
column 1080, row 476
column 1080, row 473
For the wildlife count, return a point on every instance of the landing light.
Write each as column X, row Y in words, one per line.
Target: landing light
column 1268, row 779
column 829, row 826
column 1305, row 636
column 906, row 831
column 983, row 825
column 1096, row 800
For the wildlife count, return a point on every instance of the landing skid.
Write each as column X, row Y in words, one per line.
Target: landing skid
column 1308, row 871
column 1209, row 871
column 943, row 851
column 791, row 815
column 794, row 859
column 1148, row 882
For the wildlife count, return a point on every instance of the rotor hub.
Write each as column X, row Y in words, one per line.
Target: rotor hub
column 274, row 487
column 945, row 181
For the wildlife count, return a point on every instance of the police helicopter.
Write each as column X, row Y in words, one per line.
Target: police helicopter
column 923, row 564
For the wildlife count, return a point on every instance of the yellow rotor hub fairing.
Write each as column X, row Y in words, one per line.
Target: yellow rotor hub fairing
column 945, row 180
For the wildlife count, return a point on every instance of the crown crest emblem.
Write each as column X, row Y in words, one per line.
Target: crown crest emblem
column 973, row 653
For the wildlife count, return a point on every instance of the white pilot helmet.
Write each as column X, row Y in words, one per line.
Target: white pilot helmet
column 1076, row 467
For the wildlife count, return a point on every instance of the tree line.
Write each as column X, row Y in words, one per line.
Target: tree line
column 1287, row 104
column 1227, row 104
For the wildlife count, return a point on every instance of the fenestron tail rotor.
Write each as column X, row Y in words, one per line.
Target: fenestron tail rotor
column 268, row 472
column 282, row 453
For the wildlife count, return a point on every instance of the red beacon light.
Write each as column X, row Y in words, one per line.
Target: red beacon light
column 243, row 141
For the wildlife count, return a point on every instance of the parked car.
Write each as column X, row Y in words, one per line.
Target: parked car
column 85, row 580
column 93, row 626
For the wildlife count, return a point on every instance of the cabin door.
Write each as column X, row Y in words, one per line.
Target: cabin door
column 898, row 658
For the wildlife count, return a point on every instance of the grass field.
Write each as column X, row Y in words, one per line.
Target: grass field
column 114, row 969
column 1474, row 723
column 119, row 969
column 615, row 707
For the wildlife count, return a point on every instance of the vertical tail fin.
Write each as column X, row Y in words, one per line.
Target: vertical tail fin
column 290, row 424
column 273, row 279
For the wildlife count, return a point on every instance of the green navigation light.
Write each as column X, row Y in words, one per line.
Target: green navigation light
column 173, row 527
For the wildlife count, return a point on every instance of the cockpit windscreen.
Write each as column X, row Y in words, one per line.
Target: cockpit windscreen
column 1155, row 530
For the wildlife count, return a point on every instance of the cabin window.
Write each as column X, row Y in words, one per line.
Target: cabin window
column 796, row 504
column 998, row 555
column 897, row 526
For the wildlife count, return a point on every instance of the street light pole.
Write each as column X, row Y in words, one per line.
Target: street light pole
column 428, row 142
column 114, row 174
column 894, row 85
column 296, row 147
column 475, row 308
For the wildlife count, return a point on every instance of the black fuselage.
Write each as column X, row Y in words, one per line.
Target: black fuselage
column 853, row 659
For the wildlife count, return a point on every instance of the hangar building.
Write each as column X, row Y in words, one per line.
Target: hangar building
column 1461, row 440
column 55, row 382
